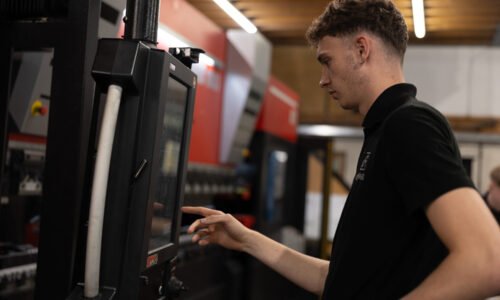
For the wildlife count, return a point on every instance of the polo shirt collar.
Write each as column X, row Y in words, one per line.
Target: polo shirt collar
column 387, row 102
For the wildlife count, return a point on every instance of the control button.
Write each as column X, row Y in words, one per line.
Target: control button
column 37, row 109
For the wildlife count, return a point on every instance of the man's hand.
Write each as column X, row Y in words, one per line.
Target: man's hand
column 223, row 229
column 217, row 227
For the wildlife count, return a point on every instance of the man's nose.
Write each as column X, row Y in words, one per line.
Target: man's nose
column 324, row 80
column 321, row 83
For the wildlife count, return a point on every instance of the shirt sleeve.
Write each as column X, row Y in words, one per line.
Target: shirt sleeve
column 422, row 158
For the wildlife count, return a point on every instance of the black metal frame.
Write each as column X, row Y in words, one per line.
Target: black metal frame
column 142, row 20
column 74, row 40
column 305, row 146
column 262, row 282
column 5, row 77
column 261, row 146
column 143, row 72
column 71, row 140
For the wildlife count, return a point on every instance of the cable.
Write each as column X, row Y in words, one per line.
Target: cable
column 99, row 187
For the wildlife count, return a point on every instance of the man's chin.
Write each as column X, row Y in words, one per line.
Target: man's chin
column 347, row 106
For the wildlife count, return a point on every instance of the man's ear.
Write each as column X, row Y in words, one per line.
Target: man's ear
column 363, row 47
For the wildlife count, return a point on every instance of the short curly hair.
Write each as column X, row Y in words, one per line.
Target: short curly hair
column 346, row 17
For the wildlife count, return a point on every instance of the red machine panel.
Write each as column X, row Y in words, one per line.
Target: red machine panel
column 205, row 133
column 189, row 22
column 279, row 113
column 203, row 33
column 195, row 27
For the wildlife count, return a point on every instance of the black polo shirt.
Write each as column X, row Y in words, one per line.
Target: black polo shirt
column 384, row 245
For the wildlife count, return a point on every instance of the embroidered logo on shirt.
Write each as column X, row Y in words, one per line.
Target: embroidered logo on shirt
column 362, row 168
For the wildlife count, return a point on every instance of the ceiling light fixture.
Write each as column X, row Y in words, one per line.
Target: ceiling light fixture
column 418, row 18
column 236, row 15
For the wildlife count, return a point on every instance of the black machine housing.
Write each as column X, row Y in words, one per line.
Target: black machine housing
column 148, row 165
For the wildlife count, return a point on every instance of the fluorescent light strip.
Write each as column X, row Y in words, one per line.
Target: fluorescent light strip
column 206, row 60
column 236, row 15
column 418, row 18
column 173, row 41
column 283, row 97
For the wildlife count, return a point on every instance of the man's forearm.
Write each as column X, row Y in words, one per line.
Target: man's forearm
column 305, row 271
column 460, row 276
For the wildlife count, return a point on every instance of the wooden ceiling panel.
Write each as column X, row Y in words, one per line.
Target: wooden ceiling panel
column 286, row 21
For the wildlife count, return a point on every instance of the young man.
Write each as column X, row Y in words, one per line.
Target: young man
column 413, row 226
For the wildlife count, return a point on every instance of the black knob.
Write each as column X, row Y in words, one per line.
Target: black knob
column 175, row 287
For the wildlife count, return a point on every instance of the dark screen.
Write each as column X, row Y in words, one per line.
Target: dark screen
column 169, row 144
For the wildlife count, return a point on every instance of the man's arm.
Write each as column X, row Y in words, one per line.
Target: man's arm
column 305, row 271
column 472, row 269
column 223, row 229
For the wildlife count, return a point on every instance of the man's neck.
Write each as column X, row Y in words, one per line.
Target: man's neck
column 376, row 91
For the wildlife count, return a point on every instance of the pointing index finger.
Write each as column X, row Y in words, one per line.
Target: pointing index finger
column 199, row 210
